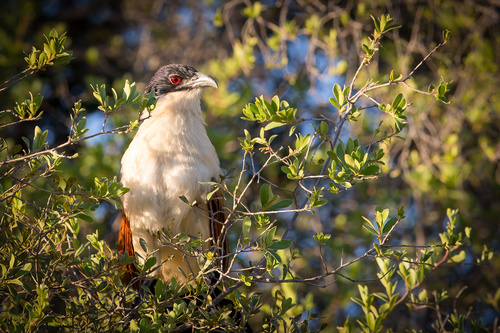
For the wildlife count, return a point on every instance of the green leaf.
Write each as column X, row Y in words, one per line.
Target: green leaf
column 339, row 95
column 390, row 223
column 15, row 281
column 253, row 11
column 458, row 257
column 209, row 195
column 39, row 139
column 121, row 191
column 184, row 199
column 369, row 226
column 85, row 218
column 274, row 263
column 351, row 145
column 281, row 204
column 270, row 235
column 426, row 256
column 24, row 270
column 246, row 225
column 275, row 104
column 370, row 320
column 397, row 100
column 273, row 124
column 376, row 23
column 280, row 244
column 393, row 78
column 349, row 161
column 245, row 280
column 381, row 215
column 80, row 249
column 321, row 238
column 302, row 141
column 265, row 194
column 149, row 263
column 143, row 244
column 446, row 35
column 370, row 170
column 443, row 88
column 371, row 230
column 334, row 102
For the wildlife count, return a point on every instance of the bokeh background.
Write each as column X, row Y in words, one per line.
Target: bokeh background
column 298, row 50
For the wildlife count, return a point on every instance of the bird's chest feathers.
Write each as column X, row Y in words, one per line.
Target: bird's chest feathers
column 169, row 157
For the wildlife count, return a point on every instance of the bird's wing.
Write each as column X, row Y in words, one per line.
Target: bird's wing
column 125, row 244
column 217, row 221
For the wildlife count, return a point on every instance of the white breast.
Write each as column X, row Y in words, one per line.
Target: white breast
column 169, row 157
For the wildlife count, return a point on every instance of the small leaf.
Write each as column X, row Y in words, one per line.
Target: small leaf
column 270, row 235
column 184, row 199
column 246, row 225
column 446, row 35
column 280, row 244
column 149, row 263
column 369, row 226
column 339, row 94
column 281, row 204
column 349, row 161
column 458, row 257
column 25, row 270
column 370, row 170
column 426, row 256
column 371, row 230
column 397, row 100
column 265, row 194
column 273, row 124
column 333, row 101
column 389, row 224
column 85, row 218
column 143, row 244
column 375, row 23
column 209, row 195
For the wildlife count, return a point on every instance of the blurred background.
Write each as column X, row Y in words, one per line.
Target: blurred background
column 297, row 50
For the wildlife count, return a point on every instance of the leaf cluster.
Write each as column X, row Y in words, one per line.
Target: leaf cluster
column 53, row 52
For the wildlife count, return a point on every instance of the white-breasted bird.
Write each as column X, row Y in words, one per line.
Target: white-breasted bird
column 169, row 156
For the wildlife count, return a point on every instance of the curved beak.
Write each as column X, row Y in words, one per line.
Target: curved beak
column 202, row 80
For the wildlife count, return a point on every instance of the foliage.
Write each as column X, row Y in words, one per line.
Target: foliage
column 292, row 166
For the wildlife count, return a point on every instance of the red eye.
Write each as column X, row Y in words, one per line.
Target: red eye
column 175, row 79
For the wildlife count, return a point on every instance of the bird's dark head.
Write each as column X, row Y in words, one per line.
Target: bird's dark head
column 175, row 77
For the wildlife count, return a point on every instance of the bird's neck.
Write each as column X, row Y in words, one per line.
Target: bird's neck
column 179, row 105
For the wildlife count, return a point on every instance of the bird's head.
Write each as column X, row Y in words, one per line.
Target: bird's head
column 179, row 78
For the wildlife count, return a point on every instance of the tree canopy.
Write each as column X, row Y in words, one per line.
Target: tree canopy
column 360, row 141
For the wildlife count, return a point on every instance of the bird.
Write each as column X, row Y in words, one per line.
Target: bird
column 169, row 158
